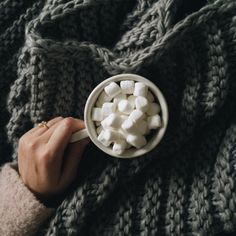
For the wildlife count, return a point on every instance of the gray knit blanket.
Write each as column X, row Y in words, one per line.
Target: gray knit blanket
column 53, row 53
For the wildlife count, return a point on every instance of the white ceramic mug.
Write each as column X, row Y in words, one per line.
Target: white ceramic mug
column 90, row 130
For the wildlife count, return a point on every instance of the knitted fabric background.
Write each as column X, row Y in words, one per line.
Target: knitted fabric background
column 54, row 53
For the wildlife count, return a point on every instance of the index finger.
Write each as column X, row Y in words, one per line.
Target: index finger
column 62, row 134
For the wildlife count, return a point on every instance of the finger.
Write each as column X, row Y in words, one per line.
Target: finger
column 62, row 134
column 41, row 130
column 58, row 142
column 47, row 135
column 71, row 161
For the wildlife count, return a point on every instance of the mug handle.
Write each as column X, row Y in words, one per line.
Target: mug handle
column 78, row 135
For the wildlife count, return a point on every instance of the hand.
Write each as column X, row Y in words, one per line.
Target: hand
column 47, row 163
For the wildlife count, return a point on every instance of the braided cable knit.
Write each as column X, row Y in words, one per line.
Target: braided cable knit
column 14, row 15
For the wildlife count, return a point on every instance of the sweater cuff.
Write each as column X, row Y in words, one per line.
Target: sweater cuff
column 21, row 213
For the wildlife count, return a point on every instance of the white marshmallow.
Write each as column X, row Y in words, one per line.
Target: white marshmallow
column 131, row 100
column 104, row 123
column 137, row 141
column 121, row 119
column 111, row 135
column 108, row 108
column 154, row 122
column 104, row 98
column 141, row 103
column 113, row 121
column 129, row 126
column 153, row 109
column 136, row 115
column 97, row 114
column 140, row 89
column 112, row 89
column 142, row 127
column 119, row 146
column 127, row 86
column 125, row 107
column 118, row 98
column 99, row 129
column 103, row 140
column 150, row 97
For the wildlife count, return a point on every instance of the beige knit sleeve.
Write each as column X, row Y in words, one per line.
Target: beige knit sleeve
column 20, row 212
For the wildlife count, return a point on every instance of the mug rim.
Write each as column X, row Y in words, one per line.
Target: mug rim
column 132, row 152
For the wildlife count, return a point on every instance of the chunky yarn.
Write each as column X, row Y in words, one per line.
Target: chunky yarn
column 53, row 53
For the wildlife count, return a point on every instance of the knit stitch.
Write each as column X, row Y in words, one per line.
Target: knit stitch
column 54, row 53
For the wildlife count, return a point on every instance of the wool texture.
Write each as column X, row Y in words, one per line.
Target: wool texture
column 53, row 53
column 20, row 211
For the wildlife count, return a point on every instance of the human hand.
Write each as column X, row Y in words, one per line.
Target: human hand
column 47, row 163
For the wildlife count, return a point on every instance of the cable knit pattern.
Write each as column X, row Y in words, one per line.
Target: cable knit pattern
column 53, row 53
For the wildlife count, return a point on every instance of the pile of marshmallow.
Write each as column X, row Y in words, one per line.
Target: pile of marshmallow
column 124, row 115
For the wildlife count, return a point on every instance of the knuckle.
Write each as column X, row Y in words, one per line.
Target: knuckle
column 58, row 118
column 45, row 157
column 68, row 122
column 31, row 144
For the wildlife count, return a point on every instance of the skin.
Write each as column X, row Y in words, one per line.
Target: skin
column 47, row 161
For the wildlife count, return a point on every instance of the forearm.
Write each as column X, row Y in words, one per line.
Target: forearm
column 20, row 212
